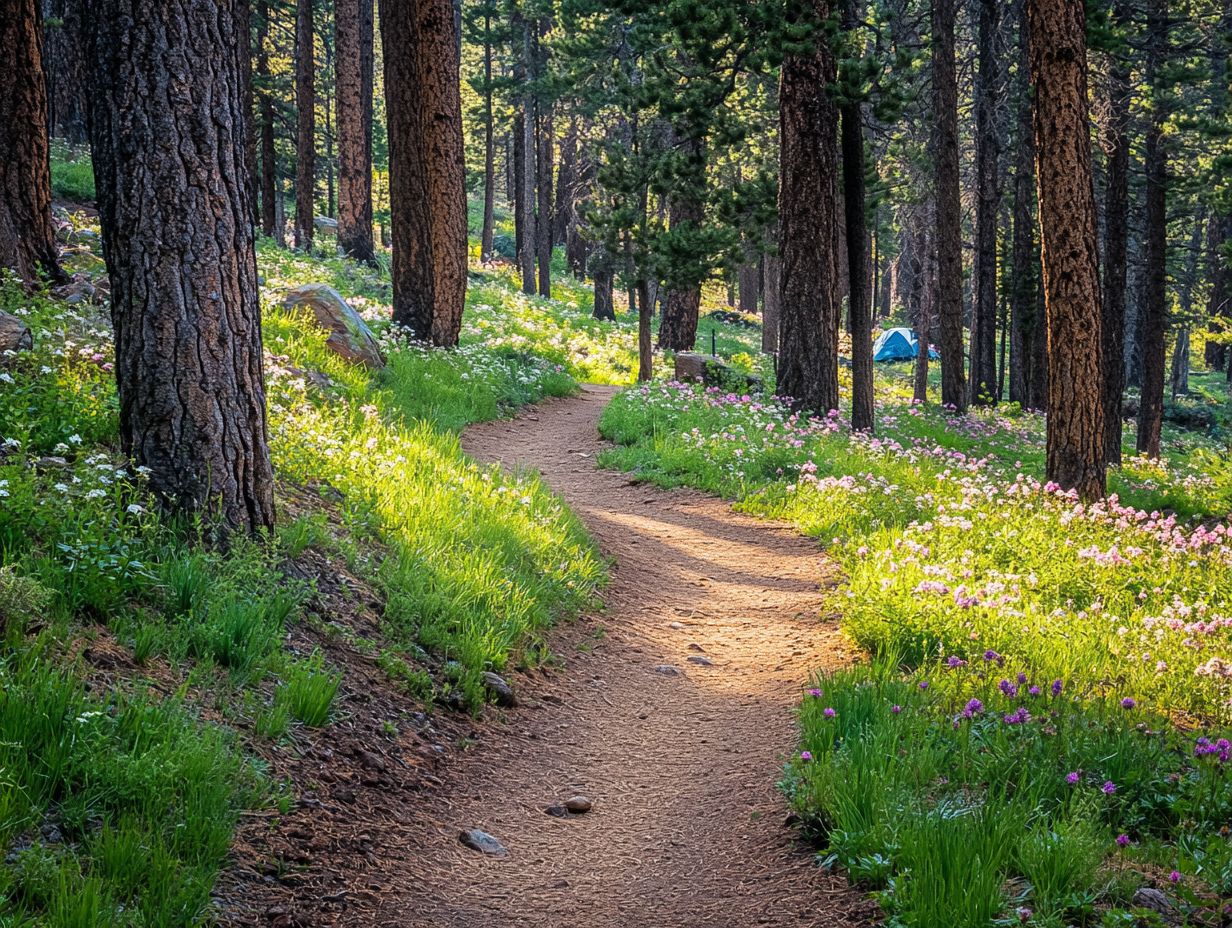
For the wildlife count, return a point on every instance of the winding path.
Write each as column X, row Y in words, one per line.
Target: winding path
column 687, row 827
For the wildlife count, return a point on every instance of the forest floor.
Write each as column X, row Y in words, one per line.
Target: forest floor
column 671, row 710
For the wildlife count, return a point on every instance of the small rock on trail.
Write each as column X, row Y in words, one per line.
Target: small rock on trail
column 482, row 842
column 667, row 670
column 501, row 691
column 578, row 804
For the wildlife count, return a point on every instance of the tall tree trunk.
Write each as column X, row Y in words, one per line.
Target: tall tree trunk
column 353, row 40
column 167, row 126
column 1026, row 323
column 808, row 320
column 269, row 158
column 747, row 283
column 948, row 206
column 1075, row 429
column 1179, row 375
column 27, row 238
column 604, row 304
column 566, row 182
column 426, row 173
column 920, row 294
column 305, row 140
column 543, row 184
column 1219, row 300
column 517, row 173
column 859, row 308
column 988, row 202
column 1219, row 227
column 65, row 68
column 487, row 233
column 1154, row 322
column 1116, row 238
column 527, row 248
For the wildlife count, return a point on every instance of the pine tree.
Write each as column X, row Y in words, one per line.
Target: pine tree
column 426, row 169
column 1075, row 424
column 27, row 239
column 177, row 237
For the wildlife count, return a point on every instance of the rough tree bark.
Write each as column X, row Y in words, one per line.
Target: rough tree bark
column 1116, row 240
column 167, row 126
column 426, row 173
column 988, row 201
column 1154, row 319
column 305, row 138
column 948, row 206
column 353, row 37
column 1075, row 429
column 808, row 126
column 27, row 238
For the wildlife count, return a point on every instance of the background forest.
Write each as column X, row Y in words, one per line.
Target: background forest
column 268, row 260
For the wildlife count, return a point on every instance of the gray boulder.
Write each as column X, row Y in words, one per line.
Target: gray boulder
column 694, row 367
column 349, row 336
column 14, row 335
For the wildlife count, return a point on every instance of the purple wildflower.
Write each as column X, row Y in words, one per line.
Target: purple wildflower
column 829, row 712
column 806, row 755
column 896, row 709
column 1109, row 787
column 973, row 708
column 1175, row 876
column 1022, row 677
column 1034, row 691
column 1122, row 840
column 1073, row 777
column 1008, row 688
column 954, row 661
column 814, row 692
column 1128, row 702
column 1057, row 686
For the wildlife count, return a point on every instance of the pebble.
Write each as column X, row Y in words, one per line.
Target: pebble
column 703, row 661
column 676, row 625
column 578, row 804
column 668, row 670
column 482, row 842
column 557, row 811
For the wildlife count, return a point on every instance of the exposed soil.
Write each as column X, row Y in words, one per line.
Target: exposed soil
column 670, row 710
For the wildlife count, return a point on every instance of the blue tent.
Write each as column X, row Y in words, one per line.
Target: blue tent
column 898, row 345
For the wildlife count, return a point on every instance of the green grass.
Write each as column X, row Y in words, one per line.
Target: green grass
column 952, row 548
column 118, row 810
column 72, row 173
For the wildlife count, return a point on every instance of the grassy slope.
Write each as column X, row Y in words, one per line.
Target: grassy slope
column 117, row 800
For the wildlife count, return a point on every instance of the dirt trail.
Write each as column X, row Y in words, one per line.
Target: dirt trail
column 687, row 827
